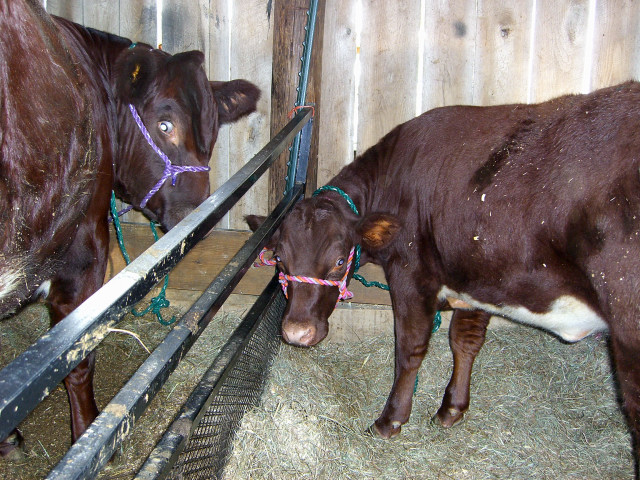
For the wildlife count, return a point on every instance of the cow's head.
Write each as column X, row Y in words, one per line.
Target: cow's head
column 182, row 111
column 315, row 241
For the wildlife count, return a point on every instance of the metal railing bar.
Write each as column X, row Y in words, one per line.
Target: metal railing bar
column 38, row 370
column 95, row 447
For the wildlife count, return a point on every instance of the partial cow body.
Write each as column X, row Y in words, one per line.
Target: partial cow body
column 531, row 212
column 71, row 92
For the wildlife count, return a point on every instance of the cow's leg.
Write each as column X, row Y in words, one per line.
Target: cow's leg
column 466, row 337
column 85, row 265
column 625, row 348
column 413, row 318
column 83, row 275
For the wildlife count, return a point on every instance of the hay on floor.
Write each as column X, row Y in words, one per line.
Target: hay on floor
column 47, row 429
column 539, row 409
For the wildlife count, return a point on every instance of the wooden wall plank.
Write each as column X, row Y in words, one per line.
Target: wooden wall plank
column 502, row 53
column 616, row 47
column 290, row 20
column 70, row 9
column 449, row 51
column 251, row 58
column 219, row 66
column 559, row 48
column 184, row 25
column 102, row 15
column 138, row 21
column 240, row 46
column 338, row 90
column 389, row 78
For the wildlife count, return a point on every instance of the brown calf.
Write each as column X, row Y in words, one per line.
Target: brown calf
column 530, row 212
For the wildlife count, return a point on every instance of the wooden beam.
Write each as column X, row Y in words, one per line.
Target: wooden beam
column 290, row 20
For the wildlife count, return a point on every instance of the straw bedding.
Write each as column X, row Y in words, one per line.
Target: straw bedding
column 540, row 409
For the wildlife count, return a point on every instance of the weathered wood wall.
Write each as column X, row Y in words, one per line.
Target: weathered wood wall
column 412, row 55
column 417, row 55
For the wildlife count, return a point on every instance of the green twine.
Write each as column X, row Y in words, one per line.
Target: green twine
column 159, row 301
column 437, row 321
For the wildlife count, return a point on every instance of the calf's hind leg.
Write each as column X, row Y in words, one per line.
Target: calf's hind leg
column 625, row 350
column 466, row 337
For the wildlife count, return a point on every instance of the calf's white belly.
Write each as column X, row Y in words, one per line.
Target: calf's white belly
column 567, row 317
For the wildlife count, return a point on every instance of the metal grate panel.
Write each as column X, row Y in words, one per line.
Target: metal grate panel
column 232, row 385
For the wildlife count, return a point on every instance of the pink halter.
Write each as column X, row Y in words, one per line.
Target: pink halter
column 284, row 279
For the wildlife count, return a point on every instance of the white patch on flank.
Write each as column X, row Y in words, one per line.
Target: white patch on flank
column 567, row 317
column 43, row 290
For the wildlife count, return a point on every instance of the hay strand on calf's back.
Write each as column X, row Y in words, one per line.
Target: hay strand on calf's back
column 539, row 409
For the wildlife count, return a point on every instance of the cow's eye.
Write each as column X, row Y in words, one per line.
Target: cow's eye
column 165, row 127
column 277, row 258
column 340, row 262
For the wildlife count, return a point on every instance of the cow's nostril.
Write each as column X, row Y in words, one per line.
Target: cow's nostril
column 301, row 336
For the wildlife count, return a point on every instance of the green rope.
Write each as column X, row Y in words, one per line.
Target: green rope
column 159, row 301
column 372, row 283
column 341, row 192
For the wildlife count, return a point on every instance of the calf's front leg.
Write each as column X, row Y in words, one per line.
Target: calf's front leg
column 413, row 325
column 466, row 337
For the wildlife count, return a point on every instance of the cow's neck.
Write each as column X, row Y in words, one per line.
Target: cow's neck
column 365, row 179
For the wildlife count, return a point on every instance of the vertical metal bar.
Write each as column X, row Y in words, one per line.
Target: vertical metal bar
column 292, row 169
column 303, row 156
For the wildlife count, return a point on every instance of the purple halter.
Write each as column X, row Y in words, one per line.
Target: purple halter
column 169, row 169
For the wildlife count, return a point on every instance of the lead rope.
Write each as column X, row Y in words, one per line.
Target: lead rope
column 159, row 301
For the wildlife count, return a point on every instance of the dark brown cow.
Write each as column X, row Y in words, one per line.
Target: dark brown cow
column 530, row 212
column 69, row 134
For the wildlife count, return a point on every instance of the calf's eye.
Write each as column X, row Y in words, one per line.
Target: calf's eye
column 277, row 258
column 165, row 127
column 340, row 262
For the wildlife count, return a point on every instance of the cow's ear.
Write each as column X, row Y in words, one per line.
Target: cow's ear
column 235, row 99
column 134, row 68
column 254, row 222
column 378, row 230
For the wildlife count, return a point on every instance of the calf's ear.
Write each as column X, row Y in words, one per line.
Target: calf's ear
column 254, row 222
column 378, row 230
column 134, row 70
column 235, row 99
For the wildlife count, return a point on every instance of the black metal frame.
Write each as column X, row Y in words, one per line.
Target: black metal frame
column 37, row 371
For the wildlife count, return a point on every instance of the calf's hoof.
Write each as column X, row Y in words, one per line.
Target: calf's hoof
column 448, row 417
column 12, row 448
column 381, row 432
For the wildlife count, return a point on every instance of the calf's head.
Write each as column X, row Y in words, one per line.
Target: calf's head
column 314, row 241
column 181, row 111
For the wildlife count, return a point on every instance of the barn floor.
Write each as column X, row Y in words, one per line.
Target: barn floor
column 46, row 430
column 540, row 409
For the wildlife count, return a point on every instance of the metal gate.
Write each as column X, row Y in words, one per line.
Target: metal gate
column 38, row 370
